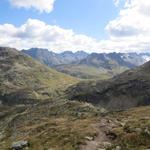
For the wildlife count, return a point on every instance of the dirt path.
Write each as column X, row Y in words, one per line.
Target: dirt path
column 97, row 142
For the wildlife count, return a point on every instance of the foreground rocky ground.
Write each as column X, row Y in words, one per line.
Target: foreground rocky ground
column 126, row 130
column 73, row 126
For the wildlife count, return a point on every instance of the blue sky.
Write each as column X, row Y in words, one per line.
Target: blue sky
column 90, row 25
column 83, row 16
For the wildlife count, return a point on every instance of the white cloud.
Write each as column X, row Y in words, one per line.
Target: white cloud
column 40, row 5
column 132, row 26
column 129, row 32
column 133, row 20
column 35, row 33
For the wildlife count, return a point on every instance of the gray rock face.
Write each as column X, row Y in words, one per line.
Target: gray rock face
column 19, row 145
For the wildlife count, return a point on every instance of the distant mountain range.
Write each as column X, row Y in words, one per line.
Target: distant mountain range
column 53, row 59
column 89, row 66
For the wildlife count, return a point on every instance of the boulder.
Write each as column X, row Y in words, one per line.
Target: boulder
column 19, row 145
column 89, row 138
column 106, row 145
column 111, row 135
column 118, row 148
column 147, row 131
column 138, row 130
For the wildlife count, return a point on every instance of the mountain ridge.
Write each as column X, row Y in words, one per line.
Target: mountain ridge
column 89, row 66
column 51, row 58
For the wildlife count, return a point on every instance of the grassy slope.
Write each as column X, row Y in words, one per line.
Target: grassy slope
column 89, row 72
column 22, row 77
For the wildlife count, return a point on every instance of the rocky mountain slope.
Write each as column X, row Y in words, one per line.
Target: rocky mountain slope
column 52, row 59
column 129, row 89
column 23, row 80
column 112, row 60
column 89, row 66
column 44, row 56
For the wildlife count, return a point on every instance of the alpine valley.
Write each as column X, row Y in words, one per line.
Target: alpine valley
column 74, row 101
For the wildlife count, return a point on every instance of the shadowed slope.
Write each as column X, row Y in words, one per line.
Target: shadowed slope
column 129, row 89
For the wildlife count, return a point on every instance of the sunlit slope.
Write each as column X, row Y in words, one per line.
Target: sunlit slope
column 23, row 79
